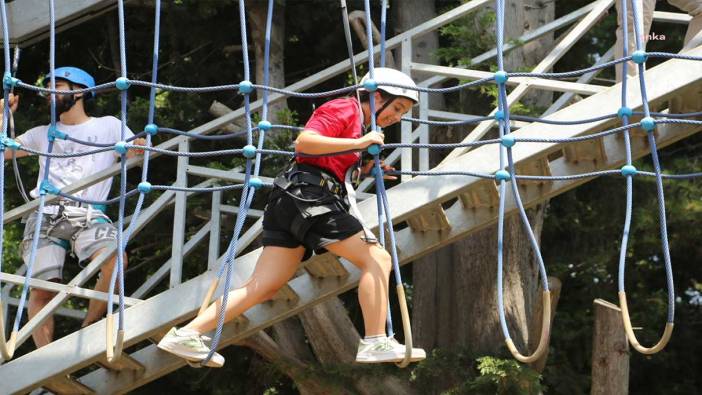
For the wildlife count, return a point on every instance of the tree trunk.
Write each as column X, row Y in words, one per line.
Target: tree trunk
column 408, row 14
column 258, row 11
column 334, row 339
column 523, row 16
column 454, row 299
column 306, row 382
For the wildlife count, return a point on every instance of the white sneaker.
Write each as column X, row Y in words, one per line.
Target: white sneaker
column 190, row 346
column 385, row 350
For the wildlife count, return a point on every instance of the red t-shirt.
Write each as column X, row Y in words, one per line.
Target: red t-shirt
column 336, row 118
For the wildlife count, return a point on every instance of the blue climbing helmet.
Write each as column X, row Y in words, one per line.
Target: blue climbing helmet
column 74, row 75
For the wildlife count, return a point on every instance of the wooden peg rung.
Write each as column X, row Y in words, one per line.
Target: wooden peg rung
column 483, row 194
column 125, row 362
column 287, row 294
column 326, row 265
column 537, row 167
column 433, row 218
column 589, row 150
column 67, row 385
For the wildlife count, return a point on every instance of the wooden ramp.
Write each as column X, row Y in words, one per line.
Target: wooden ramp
column 438, row 210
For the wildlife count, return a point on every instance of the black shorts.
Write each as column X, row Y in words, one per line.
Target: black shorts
column 321, row 230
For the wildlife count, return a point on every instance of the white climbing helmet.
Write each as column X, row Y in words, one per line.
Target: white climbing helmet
column 392, row 76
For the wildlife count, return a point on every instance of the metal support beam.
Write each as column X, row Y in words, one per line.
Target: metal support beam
column 71, row 290
column 539, row 83
column 234, row 175
column 454, row 116
column 229, row 209
column 215, row 221
column 179, row 216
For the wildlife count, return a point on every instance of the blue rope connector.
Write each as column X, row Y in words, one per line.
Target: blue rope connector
column 374, row 171
column 245, row 87
column 249, row 151
column 144, row 187
column 8, row 81
column 625, row 111
column 508, row 140
column 256, row 183
column 374, row 149
column 121, row 147
column 639, row 57
column 629, row 170
column 502, row 175
column 648, row 124
column 54, row 134
column 501, row 77
column 370, row 85
column 151, row 129
column 499, row 115
column 264, row 126
column 47, row 187
column 7, row 142
column 122, row 83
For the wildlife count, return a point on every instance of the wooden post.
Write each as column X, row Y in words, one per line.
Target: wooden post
column 610, row 351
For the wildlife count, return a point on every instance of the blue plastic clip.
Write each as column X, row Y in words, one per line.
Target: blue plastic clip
column 502, row 175
column 629, row 170
column 122, row 83
column 151, row 129
column 639, row 57
column 7, row 142
column 245, row 87
column 264, row 126
column 54, row 134
column 8, row 81
column 508, row 140
column 144, row 187
column 374, row 149
column 624, row 111
column 501, row 77
column 255, row 183
column 648, row 124
column 121, row 147
column 47, row 187
column 249, row 151
column 370, row 85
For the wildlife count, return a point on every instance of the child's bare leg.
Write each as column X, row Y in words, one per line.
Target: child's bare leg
column 274, row 268
column 375, row 265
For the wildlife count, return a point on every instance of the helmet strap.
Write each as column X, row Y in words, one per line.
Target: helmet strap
column 385, row 105
column 69, row 101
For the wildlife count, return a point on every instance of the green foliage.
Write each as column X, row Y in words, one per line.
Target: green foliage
column 454, row 372
column 503, row 376
column 467, row 41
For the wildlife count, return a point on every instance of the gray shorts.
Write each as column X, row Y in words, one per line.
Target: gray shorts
column 58, row 235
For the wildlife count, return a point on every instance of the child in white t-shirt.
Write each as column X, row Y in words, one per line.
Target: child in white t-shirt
column 67, row 225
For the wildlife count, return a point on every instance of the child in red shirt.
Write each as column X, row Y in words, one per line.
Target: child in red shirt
column 309, row 211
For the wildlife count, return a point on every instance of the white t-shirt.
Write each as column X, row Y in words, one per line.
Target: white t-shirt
column 66, row 171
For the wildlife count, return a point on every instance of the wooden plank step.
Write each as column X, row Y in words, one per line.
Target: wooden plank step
column 326, row 265
column 483, row 195
column 125, row 362
column 433, row 218
column 537, row 167
column 67, row 385
column 590, row 150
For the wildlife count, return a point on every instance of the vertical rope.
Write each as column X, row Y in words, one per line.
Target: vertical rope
column 504, row 129
column 47, row 165
column 248, row 192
